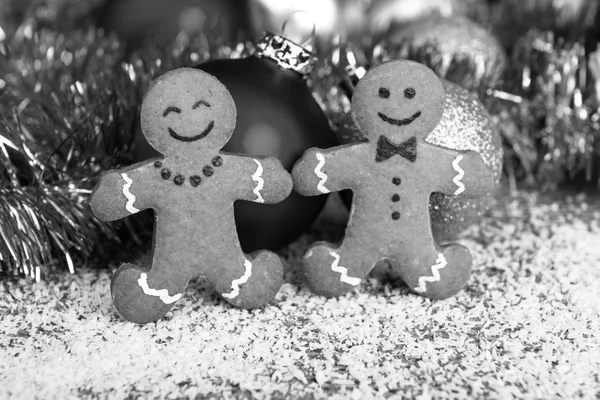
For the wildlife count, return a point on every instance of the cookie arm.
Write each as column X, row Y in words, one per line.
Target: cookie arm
column 120, row 193
column 461, row 173
column 323, row 171
column 257, row 179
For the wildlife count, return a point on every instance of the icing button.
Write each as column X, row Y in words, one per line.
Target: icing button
column 157, row 164
column 396, row 198
column 179, row 179
column 195, row 180
column 207, row 171
column 165, row 173
column 396, row 181
column 395, row 215
column 217, row 161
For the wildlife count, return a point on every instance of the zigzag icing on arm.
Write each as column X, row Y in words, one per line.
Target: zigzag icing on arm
column 260, row 182
column 130, row 196
column 335, row 267
column 235, row 285
column 460, row 174
column 162, row 294
column 320, row 174
column 435, row 277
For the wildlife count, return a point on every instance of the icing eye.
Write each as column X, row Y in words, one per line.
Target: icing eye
column 200, row 103
column 409, row 93
column 171, row 109
column 384, row 93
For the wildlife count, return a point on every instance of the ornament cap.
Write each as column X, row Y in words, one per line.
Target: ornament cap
column 287, row 54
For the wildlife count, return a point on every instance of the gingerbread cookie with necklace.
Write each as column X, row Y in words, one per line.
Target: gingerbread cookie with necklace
column 188, row 116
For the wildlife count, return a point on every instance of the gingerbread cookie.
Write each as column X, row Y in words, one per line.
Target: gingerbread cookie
column 188, row 116
column 396, row 105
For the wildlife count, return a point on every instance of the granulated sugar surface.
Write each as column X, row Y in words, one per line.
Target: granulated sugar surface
column 526, row 326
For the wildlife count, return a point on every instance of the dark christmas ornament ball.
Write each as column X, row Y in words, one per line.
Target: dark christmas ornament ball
column 277, row 116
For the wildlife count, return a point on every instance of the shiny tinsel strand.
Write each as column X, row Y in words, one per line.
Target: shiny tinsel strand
column 338, row 69
column 66, row 114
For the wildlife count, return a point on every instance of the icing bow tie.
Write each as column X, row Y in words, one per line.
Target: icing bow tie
column 387, row 149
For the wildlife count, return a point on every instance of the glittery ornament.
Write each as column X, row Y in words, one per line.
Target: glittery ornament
column 465, row 125
column 456, row 48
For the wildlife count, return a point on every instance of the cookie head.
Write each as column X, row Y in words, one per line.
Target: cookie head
column 187, row 110
column 398, row 99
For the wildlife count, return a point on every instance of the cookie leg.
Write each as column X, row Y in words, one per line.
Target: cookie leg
column 439, row 273
column 332, row 272
column 143, row 295
column 247, row 280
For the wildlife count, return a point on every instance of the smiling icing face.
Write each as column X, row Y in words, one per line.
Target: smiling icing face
column 398, row 99
column 186, row 111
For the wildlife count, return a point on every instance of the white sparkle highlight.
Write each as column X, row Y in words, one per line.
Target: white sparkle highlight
column 320, row 174
column 335, row 267
column 260, row 182
column 460, row 174
column 435, row 277
column 162, row 294
column 235, row 285
column 130, row 197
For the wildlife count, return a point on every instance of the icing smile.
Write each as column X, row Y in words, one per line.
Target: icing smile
column 205, row 132
column 399, row 122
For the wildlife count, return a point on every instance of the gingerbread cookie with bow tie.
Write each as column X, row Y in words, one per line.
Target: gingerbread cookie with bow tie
column 188, row 116
column 392, row 175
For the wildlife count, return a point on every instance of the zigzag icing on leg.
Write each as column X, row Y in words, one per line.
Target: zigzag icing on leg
column 162, row 294
column 260, row 182
column 130, row 196
column 460, row 174
column 435, row 277
column 235, row 285
column 335, row 267
column 320, row 174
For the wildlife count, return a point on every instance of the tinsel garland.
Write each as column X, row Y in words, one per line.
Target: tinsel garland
column 66, row 113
